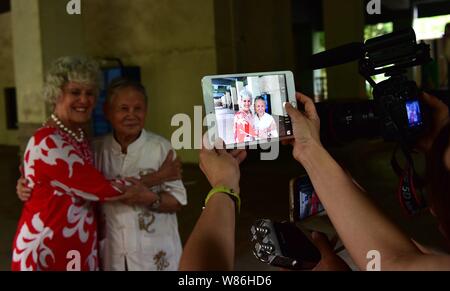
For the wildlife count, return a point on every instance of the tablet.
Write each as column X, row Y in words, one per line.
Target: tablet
column 248, row 109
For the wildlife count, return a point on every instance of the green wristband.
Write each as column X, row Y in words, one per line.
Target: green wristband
column 230, row 192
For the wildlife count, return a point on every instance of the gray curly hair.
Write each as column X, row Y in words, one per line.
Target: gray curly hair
column 70, row 69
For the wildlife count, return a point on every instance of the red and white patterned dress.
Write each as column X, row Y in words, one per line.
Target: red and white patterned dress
column 58, row 224
column 243, row 127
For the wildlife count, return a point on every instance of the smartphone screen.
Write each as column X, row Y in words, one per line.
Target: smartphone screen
column 304, row 200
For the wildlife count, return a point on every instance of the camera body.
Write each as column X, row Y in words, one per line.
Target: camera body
column 399, row 109
column 397, row 98
column 395, row 113
column 284, row 245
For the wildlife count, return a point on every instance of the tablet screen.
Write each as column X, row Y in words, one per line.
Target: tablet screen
column 249, row 109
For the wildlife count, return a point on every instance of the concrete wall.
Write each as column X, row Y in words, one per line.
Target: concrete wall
column 172, row 41
column 344, row 23
column 7, row 137
column 42, row 32
column 254, row 35
column 175, row 43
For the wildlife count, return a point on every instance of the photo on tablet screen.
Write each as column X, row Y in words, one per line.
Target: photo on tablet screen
column 249, row 109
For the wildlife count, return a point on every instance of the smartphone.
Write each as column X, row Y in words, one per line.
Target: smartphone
column 248, row 109
column 283, row 244
column 303, row 200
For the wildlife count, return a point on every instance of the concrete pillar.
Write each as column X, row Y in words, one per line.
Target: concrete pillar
column 173, row 42
column 42, row 32
column 7, row 136
column 344, row 23
column 303, row 39
column 225, row 27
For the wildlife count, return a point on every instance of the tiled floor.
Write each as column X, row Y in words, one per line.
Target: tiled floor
column 264, row 188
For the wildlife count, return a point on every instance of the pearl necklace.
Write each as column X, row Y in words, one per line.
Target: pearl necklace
column 67, row 130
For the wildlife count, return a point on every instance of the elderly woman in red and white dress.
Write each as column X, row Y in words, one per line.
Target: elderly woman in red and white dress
column 58, row 220
column 243, row 127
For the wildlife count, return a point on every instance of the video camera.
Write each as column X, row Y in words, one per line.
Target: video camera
column 396, row 112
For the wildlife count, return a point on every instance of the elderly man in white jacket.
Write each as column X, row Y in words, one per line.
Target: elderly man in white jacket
column 137, row 237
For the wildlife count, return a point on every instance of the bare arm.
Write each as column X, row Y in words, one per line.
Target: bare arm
column 169, row 204
column 22, row 191
column 152, row 179
column 360, row 224
column 211, row 243
column 170, row 170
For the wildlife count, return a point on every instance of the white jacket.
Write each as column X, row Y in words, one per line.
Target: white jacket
column 145, row 240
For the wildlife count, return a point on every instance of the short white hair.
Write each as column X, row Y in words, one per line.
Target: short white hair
column 121, row 83
column 82, row 70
